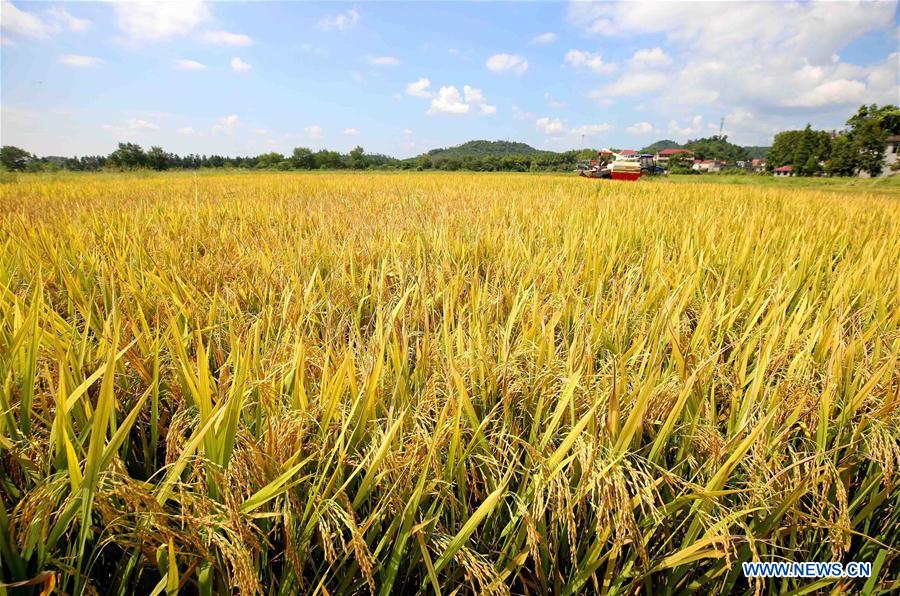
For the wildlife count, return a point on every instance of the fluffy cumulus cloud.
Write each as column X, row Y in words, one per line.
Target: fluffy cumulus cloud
column 833, row 92
column 692, row 129
column 238, row 65
column 131, row 127
column 507, row 63
column 549, row 126
column 475, row 98
column 582, row 60
column 640, row 128
column 313, row 132
column 552, row 101
column 384, row 61
column 635, row 83
column 79, row 61
column 156, row 21
column 189, row 65
column 544, row 38
column 339, row 22
column 748, row 56
column 38, row 24
column 420, row 88
column 226, row 125
column 653, row 57
column 225, row 38
column 449, row 100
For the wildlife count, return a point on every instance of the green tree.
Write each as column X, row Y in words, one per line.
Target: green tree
column 157, row 159
column 269, row 160
column 681, row 163
column 844, row 157
column 128, row 156
column 302, row 159
column 869, row 129
column 14, row 159
column 357, row 158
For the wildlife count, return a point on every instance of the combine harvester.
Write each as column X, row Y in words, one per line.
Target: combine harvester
column 615, row 166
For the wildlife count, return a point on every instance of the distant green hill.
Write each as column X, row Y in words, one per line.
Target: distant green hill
column 660, row 145
column 486, row 148
column 713, row 147
column 757, row 152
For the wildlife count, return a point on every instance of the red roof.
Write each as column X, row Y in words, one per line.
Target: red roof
column 674, row 151
column 629, row 152
column 784, row 169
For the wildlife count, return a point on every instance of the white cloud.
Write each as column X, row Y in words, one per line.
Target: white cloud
column 20, row 22
column 640, row 128
column 138, row 125
column 260, row 131
column 186, row 130
column 586, row 60
column 520, row 114
column 29, row 24
column 189, row 65
column 351, row 132
column 549, row 126
column 545, row 38
column 507, row 62
column 635, row 83
column 836, row 92
column 225, row 38
column 384, row 61
column 226, row 125
column 695, row 128
column 419, row 88
column 650, row 58
column 552, row 101
column 133, row 126
column 156, row 21
column 313, row 132
column 475, row 98
column 748, row 54
column 590, row 130
column 64, row 18
column 239, row 65
column 448, row 101
column 79, row 61
column 339, row 22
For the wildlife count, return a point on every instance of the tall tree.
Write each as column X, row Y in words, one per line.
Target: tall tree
column 157, row 159
column 14, row 159
column 128, row 156
column 844, row 157
column 869, row 129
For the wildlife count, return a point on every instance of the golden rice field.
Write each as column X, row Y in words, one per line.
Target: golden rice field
column 416, row 383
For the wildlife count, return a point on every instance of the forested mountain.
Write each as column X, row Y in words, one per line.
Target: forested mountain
column 486, row 148
column 660, row 145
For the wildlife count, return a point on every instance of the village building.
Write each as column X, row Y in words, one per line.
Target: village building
column 708, row 166
column 784, row 171
column 663, row 157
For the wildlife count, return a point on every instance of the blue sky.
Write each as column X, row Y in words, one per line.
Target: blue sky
column 402, row 78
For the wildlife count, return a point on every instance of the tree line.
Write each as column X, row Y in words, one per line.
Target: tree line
column 858, row 148
column 130, row 156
